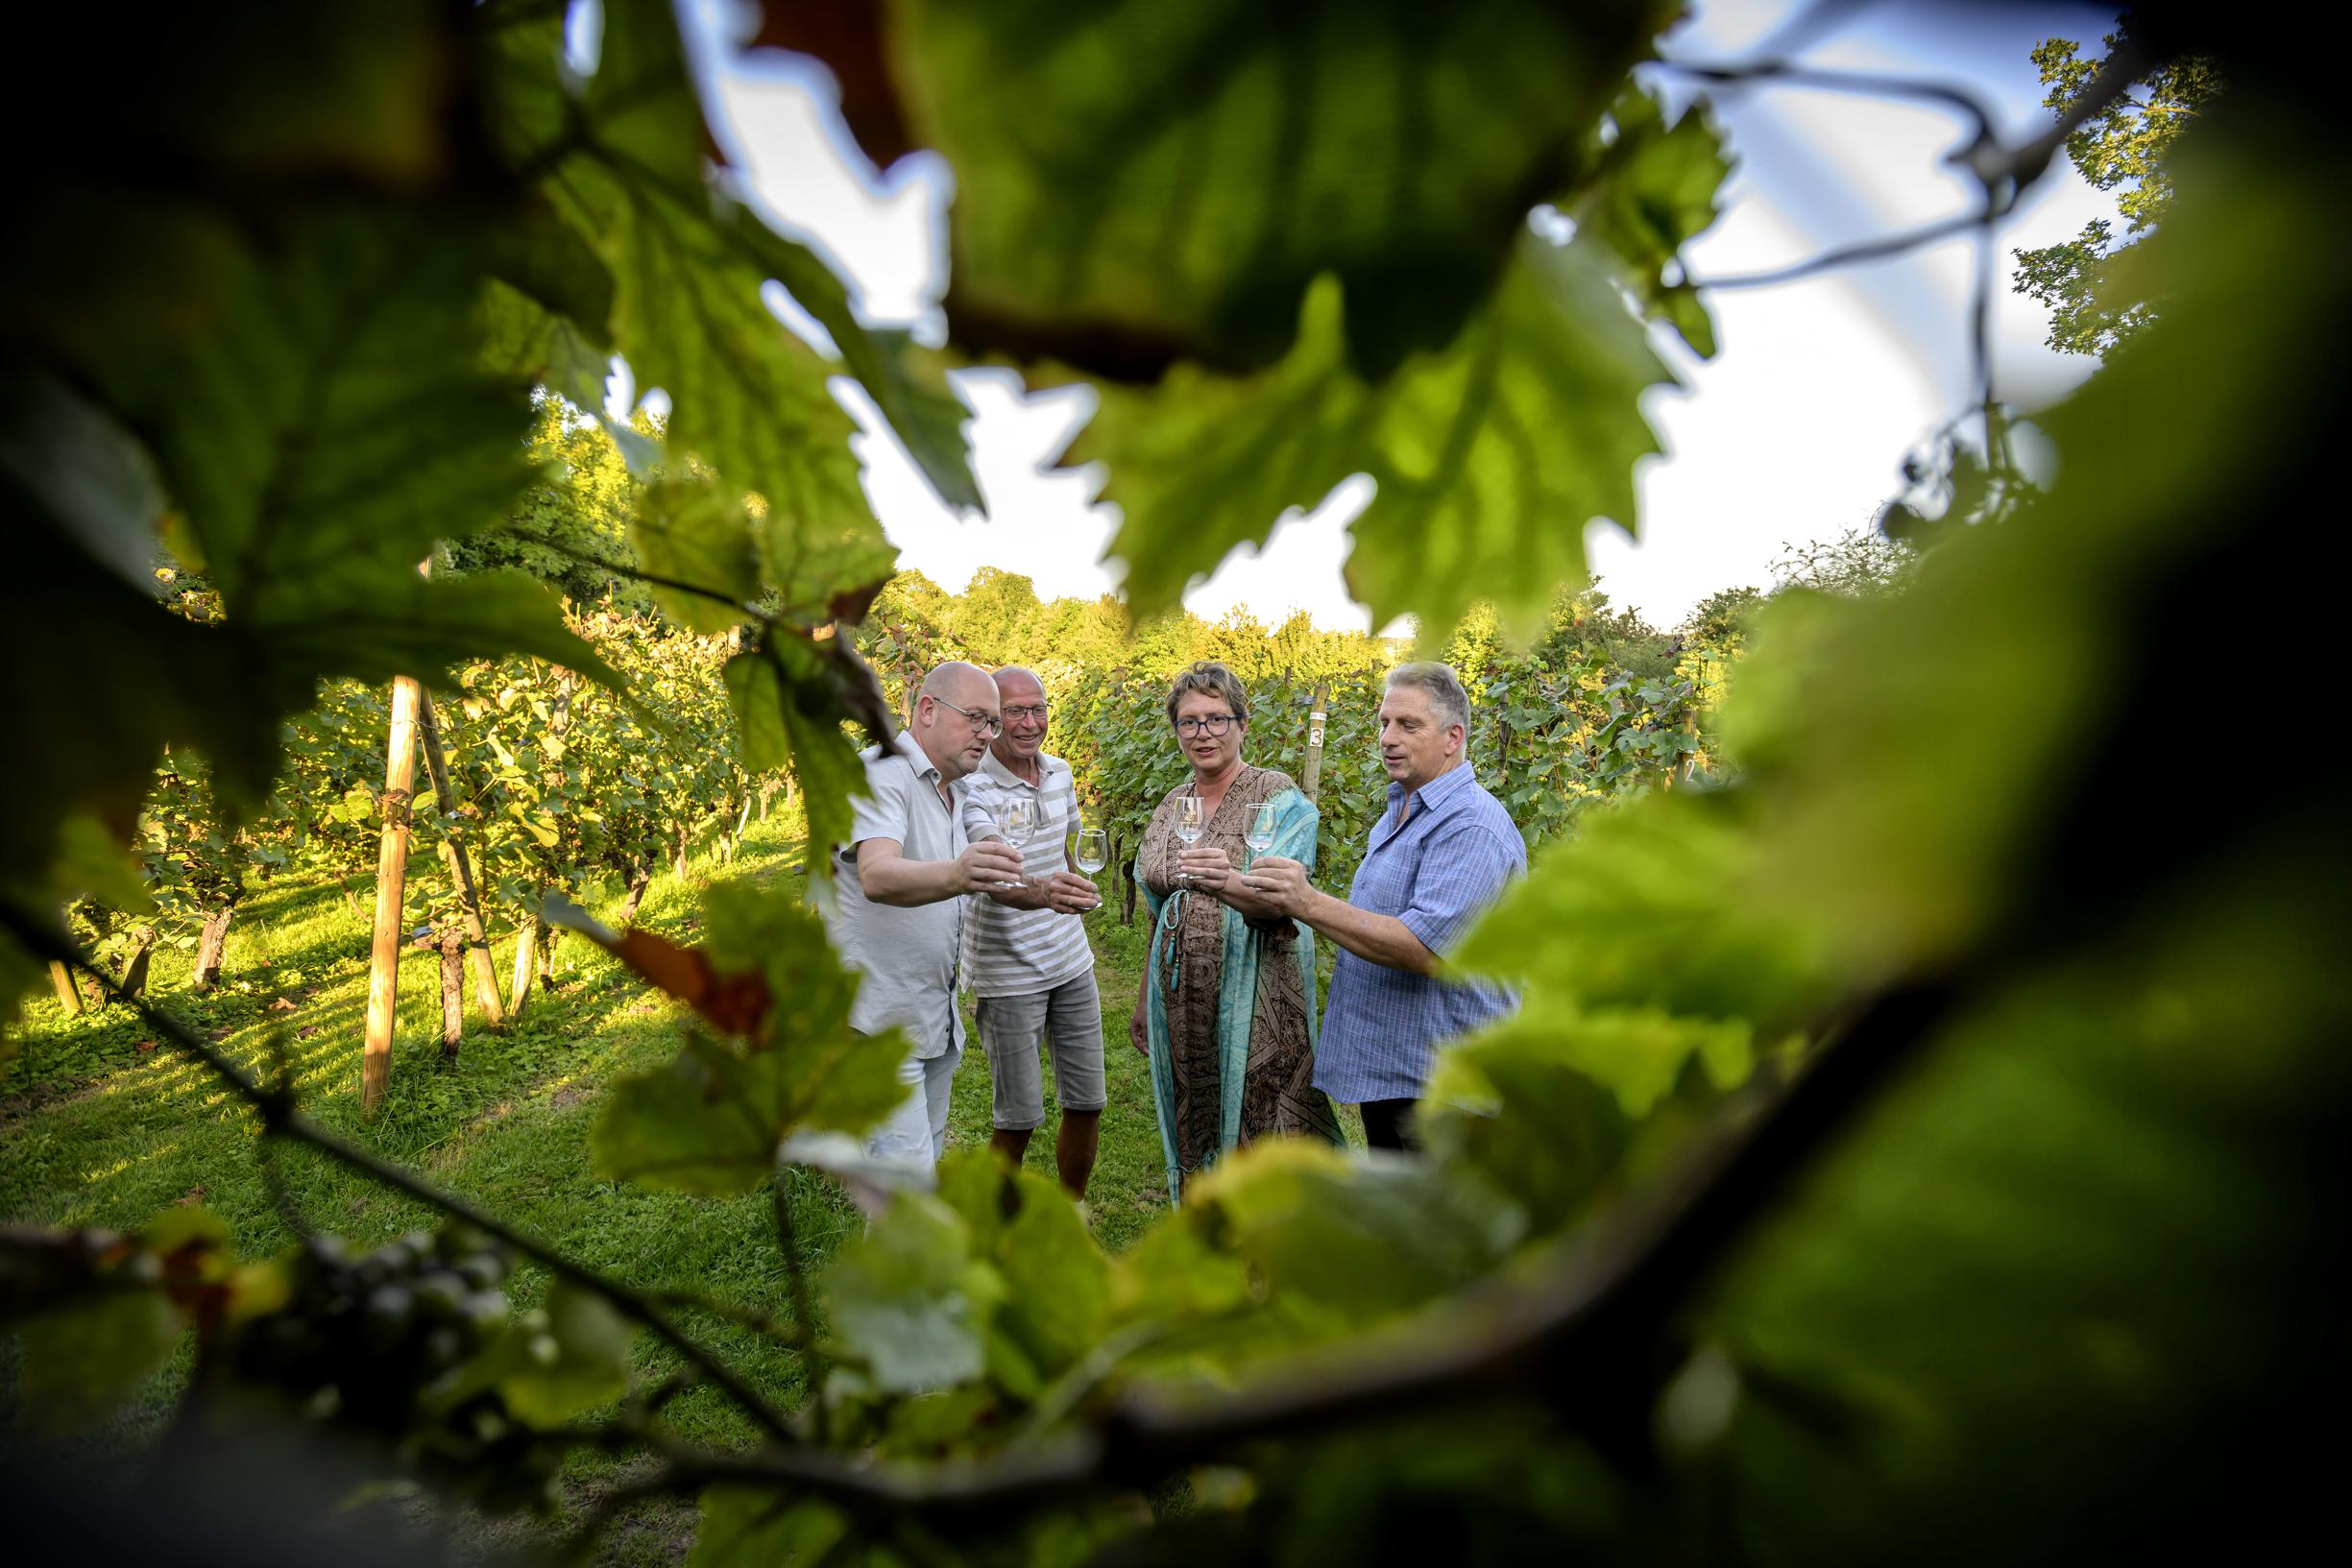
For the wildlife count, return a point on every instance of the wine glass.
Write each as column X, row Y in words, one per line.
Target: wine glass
column 1189, row 823
column 1015, row 816
column 1261, row 823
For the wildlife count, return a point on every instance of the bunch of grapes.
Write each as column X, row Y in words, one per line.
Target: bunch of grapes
column 382, row 1343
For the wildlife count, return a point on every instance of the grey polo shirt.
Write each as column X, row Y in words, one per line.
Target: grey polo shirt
column 907, row 956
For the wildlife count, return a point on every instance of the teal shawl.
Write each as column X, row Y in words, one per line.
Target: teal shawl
column 1237, row 987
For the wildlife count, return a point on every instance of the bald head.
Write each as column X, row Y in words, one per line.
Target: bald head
column 958, row 682
column 952, row 716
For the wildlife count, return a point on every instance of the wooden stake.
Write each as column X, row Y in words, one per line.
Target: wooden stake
column 212, row 947
column 461, row 870
column 526, row 961
column 452, row 993
column 69, row 995
column 1312, row 783
column 391, row 884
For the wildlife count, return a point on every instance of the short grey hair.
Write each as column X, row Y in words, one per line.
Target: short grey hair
column 1446, row 698
column 1214, row 680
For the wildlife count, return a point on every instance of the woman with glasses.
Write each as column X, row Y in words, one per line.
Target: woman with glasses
column 1226, row 1013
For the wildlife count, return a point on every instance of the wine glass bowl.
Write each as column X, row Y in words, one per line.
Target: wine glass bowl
column 1015, row 816
column 1093, row 850
column 1259, row 831
column 1190, row 822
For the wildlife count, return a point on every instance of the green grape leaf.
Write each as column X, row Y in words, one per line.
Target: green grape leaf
column 1490, row 455
column 712, row 1119
column 172, row 682
column 1136, row 185
column 589, row 1367
column 413, row 626
column 1512, row 1108
column 904, row 383
column 526, row 343
column 330, row 424
column 1656, row 901
column 1655, row 188
column 748, row 397
column 1357, row 1241
column 1056, row 1281
column 691, row 531
column 1173, row 1273
column 84, row 1360
column 2116, row 1167
column 909, row 1300
column 755, row 1527
column 788, row 695
column 539, row 255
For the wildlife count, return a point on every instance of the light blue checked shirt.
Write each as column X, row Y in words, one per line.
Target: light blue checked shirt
column 1437, row 874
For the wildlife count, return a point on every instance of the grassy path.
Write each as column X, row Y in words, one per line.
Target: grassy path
column 100, row 1127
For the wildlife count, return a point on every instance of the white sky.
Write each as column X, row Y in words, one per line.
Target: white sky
column 1793, row 431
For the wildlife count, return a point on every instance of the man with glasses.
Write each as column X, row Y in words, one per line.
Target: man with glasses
column 1025, row 949
column 895, row 910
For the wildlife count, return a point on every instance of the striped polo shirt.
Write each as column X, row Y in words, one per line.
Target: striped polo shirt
column 1019, row 953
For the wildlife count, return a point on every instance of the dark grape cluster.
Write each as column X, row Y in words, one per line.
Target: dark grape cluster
column 384, row 1343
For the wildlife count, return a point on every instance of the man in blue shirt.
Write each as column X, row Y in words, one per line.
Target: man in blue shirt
column 1439, row 855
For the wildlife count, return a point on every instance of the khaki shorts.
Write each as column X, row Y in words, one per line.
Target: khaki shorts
column 1071, row 1017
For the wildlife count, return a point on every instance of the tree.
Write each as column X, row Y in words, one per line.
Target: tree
column 2096, row 302
column 1860, row 562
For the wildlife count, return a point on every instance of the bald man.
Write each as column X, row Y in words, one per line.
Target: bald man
column 895, row 910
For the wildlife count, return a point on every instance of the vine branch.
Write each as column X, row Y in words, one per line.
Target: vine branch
column 279, row 1119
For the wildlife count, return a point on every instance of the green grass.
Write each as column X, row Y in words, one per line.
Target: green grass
column 102, row 1126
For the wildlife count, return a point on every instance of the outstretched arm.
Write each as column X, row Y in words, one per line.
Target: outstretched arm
column 1282, row 884
column 888, row 876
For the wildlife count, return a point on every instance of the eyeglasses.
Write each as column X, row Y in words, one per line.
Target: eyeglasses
column 1036, row 711
column 1205, row 724
column 988, row 724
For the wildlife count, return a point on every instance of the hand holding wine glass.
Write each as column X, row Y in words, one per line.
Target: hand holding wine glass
column 1190, row 822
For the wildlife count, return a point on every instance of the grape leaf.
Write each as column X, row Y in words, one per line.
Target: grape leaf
column 1490, row 455
column 753, row 1527
column 788, row 696
column 1655, row 188
column 691, row 531
column 591, row 1365
column 330, row 424
column 1656, row 902
column 1056, row 1281
column 1353, row 1239
column 1510, row 1108
column 748, row 397
column 2116, row 1167
column 1139, row 184
column 712, row 1119
column 85, row 1359
column 410, row 626
column 908, row 1298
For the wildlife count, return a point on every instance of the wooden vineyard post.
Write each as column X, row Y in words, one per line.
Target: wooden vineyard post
column 69, row 995
column 391, row 884
column 461, row 870
column 452, row 993
column 526, row 961
column 1312, row 783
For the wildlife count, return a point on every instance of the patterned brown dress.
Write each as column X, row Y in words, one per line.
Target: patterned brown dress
column 1188, row 952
